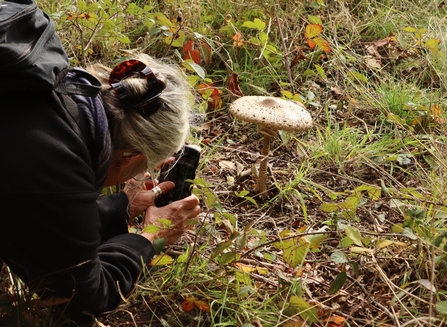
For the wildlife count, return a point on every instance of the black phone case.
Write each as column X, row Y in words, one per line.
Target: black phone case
column 183, row 169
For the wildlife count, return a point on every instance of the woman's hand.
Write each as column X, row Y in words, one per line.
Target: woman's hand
column 141, row 196
column 178, row 212
column 138, row 191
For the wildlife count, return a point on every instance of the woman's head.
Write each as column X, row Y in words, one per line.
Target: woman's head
column 155, row 133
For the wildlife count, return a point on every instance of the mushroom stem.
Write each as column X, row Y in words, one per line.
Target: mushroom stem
column 262, row 186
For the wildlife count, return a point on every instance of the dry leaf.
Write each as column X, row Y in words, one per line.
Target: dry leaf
column 372, row 62
column 238, row 40
column 233, row 85
column 227, row 165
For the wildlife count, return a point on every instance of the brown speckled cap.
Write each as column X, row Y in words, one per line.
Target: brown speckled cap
column 271, row 112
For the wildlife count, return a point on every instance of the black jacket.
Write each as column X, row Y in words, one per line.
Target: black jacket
column 55, row 233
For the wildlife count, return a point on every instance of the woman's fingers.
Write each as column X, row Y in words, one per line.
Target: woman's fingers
column 140, row 200
column 178, row 212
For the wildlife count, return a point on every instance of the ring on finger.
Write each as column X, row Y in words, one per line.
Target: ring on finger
column 157, row 191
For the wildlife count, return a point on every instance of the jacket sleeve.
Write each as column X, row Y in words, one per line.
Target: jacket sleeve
column 55, row 234
column 113, row 215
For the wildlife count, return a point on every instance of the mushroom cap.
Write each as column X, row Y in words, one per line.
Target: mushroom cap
column 271, row 112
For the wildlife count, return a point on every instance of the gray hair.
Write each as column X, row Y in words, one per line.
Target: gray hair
column 159, row 135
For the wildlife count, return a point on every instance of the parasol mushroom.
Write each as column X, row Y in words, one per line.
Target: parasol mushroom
column 271, row 114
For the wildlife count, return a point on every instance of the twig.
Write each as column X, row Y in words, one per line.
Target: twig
column 265, row 44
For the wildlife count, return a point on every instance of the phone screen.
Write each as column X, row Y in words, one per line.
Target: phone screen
column 179, row 172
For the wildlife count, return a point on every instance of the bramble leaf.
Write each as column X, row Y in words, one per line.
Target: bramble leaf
column 313, row 30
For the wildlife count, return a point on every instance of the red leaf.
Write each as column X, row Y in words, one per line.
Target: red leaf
column 188, row 304
column 188, row 46
column 202, row 305
column 299, row 56
column 311, row 43
column 190, row 52
column 322, row 44
column 193, row 54
column 191, row 301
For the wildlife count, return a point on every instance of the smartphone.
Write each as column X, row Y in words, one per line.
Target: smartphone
column 180, row 172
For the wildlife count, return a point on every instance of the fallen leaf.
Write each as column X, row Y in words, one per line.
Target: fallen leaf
column 238, row 40
column 372, row 62
column 298, row 57
column 227, row 165
column 334, row 321
column 427, row 284
column 188, row 304
column 233, row 85
column 244, row 268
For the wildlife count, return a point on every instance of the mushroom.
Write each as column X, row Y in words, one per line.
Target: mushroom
column 271, row 114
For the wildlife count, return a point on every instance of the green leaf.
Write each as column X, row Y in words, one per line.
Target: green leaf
column 228, row 257
column 354, row 235
column 161, row 19
column 260, row 25
column 407, row 232
column 410, row 29
column 242, row 193
column 374, row 191
column 441, row 307
column 220, row 248
column 161, row 260
column 263, row 37
column 329, row 207
column 321, row 72
column 315, row 20
column 192, row 66
column 159, row 244
column 242, row 277
column 315, row 240
column 355, row 268
column 132, row 9
column 295, row 255
column 339, row 257
column 230, row 217
column 255, row 24
column 165, row 222
column 356, row 76
column 176, row 39
column 249, row 24
column 337, row 284
column 151, row 229
column 287, row 94
column 306, row 311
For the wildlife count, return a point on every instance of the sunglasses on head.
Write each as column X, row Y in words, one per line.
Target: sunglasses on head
column 134, row 68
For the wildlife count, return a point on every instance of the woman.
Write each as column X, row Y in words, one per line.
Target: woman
column 56, row 233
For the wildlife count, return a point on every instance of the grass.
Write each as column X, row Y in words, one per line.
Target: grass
column 353, row 231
